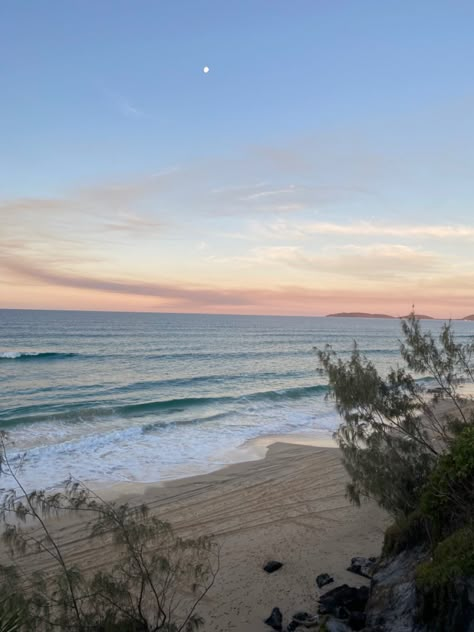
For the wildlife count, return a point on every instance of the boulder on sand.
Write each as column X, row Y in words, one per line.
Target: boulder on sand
column 364, row 566
column 275, row 620
column 272, row 566
column 344, row 598
column 323, row 579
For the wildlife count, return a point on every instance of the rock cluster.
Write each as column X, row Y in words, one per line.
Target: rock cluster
column 341, row 609
column 391, row 604
column 346, row 604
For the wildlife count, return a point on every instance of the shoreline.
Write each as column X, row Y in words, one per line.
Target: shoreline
column 251, row 451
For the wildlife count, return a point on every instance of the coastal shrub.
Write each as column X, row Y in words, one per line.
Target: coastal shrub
column 393, row 432
column 14, row 605
column 406, row 533
column 13, row 615
column 448, row 497
column 448, row 363
column 154, row 580
column 446, row 502
column 443, row 584
column 453, row 558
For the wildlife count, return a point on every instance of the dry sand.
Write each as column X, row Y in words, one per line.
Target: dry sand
column 289, row 506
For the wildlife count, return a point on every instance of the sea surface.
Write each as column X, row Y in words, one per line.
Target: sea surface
column 114, row 397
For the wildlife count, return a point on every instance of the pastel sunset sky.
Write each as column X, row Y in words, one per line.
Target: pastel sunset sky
column 324, row 163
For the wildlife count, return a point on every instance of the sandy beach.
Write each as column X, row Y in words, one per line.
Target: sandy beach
column 288, row 506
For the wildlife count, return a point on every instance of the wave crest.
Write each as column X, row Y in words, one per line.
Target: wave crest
column 34, row 355
column 165, row 407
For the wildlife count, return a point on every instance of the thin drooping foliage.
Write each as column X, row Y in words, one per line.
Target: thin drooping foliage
column 408, row 443
column 153, row 582
column 395, row 427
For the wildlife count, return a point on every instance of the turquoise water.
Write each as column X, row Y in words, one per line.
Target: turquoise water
column 112, row 397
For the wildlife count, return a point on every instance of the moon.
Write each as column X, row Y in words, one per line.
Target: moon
column 205, row 70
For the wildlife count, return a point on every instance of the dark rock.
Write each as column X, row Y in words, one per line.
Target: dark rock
column 304, row 620
column 393, row 598
column 364, row 566
column 341, row 612
column 327, row 606
column 334, row 625
column 352, row 599
column 397, row 605
column 292, row 626
column 299, row 617
column 272, row 566
column 363, row 593
column 323, row 579
column 275, row 620
column 357, row 620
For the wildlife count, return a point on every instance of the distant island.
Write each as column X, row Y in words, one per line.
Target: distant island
column 368, row 315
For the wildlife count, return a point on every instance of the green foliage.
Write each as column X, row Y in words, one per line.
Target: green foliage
column 154, row 582
column 408, row 532
column 453, row 558
column 449, row 363
column 448, row 497
column 12, row 615
column 14, row 605
column 446, row 503
column 392, row 432
column 442, row 583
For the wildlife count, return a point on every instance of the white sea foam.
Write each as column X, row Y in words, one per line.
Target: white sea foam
column 15, row 355
column 120, row 450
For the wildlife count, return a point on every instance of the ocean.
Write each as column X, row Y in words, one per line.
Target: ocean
column 116, row 397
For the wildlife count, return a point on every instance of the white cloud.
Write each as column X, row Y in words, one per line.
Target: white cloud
column 282, row 229
column 393, row 261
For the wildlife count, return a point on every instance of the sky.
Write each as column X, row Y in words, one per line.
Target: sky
column 324, row 163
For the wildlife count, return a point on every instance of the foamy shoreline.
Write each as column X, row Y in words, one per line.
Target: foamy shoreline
column 252, row 450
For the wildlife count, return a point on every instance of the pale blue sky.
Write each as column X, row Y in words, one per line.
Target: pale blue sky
column 322, row 111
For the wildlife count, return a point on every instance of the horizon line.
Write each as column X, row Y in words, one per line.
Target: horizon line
column 108, row 311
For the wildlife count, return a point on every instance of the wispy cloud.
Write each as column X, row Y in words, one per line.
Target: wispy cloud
column 187, row 295
column 261, row 194
column 366, row 263
column 129, row 110
column 394, row 261
column 123, row 104
column 283, row 298
column 282, row 229
column 107, row 202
